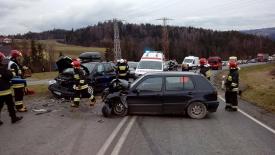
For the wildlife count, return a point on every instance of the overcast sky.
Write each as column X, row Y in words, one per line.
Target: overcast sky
column 21, row 16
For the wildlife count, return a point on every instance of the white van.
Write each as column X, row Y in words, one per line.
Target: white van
column 152, row 61
column 191, row 61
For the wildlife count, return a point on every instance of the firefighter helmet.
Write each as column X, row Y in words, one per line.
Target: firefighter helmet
column 233, row 64
column 15, row 53
column 121, row 60
column 203, row 61
column 2, row 56
column 76, row 64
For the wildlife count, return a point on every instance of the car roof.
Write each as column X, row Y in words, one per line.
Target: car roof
column 171, row 73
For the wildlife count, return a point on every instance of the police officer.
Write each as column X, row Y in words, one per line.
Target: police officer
column 204, row 68
column 123, row 69
column 231, row 85
column 18, row 87
column 80, row 86
column 5, row 90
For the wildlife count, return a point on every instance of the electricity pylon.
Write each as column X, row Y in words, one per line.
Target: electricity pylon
column 165, row 41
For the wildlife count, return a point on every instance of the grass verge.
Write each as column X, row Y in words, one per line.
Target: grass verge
column 257, row 84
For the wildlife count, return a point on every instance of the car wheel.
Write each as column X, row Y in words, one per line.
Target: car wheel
column 106, row 111
column 120, row 109
column 197, row 110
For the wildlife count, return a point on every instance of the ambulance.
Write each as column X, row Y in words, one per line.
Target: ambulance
column 151, row 61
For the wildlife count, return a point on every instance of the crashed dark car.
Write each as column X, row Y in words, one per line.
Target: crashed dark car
column 164, row 93
column 98, row 74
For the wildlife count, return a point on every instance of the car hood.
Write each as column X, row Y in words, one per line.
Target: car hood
column 143, row 71
column 63, row 63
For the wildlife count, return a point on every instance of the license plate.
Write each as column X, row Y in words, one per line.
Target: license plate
column 57, row 93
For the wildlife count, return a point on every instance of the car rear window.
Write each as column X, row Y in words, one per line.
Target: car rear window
column 202, row 83
column 179, row 83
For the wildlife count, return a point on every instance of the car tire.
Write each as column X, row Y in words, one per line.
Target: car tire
column 196, row 110
column 119, row 109
column 106, row 111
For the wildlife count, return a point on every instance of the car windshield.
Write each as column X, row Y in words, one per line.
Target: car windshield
column 132, row 64
column 157, row 65
column 89, row 66
column 188, row 60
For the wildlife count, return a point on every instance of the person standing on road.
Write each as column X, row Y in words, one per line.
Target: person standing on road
column 80, row 86
column 231, row 85
column 5, row 90
column 123, row 69
column 205, row 68
column 19, row 84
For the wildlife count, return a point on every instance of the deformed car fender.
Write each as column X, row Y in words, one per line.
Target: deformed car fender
column 116, row 96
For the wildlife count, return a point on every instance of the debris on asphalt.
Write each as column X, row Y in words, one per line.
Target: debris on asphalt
column 100, row 121
column 41, row 111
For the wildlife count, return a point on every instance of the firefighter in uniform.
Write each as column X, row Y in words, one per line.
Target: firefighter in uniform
column 204, row 68
column 5, row 90
column 80, row 86
column 122, row 69
column 18, row 87
column 231, row 85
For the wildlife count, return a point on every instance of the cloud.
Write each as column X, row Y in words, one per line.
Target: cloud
column 21, row 16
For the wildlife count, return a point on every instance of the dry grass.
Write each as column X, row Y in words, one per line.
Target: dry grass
column 257, row 84
column 44, row 75
column 69, row 50
column 260, row 85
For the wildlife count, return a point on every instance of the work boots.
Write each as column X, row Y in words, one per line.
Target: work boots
column 16, row 119
column 93, row 101
column 75, row 105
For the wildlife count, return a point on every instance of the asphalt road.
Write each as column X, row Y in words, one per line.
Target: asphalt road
column 85, row 131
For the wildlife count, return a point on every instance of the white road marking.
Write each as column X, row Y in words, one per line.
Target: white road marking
column 108, row 142
column 123, row 137
column 253, row 119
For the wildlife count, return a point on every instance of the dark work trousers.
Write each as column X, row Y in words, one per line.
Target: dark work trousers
column 18, row 97
column 231, row 97
column 10, row 104
column 82, row 94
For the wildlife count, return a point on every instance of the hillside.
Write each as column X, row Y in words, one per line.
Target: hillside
column 183, row 41
column 267, row 32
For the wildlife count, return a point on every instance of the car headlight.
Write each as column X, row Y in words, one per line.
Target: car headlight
column 52, row 82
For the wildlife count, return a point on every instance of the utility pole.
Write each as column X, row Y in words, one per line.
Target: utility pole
column 117, row 49
column 165, row 41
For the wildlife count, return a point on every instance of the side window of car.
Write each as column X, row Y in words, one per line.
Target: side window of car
column 100, row 68
column 108, row 68
column 179, row 83
column 151, row 84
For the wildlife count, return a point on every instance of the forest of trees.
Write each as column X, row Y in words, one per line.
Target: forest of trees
column 183, row 41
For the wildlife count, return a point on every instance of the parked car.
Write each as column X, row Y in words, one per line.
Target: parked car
column 132, row 68
column 224, row 63
column 164, row 93
column 252, row 61
column 98, row 74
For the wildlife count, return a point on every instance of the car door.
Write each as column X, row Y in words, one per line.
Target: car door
column 109, row 73
column 146, row 96
column 178, row 91
column 99, row 77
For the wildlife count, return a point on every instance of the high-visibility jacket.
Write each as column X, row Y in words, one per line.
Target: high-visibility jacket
column 80, row 80
column 5, row 77
column 205, row 70
column 122, row 69
column 15, row 68
column 232, row 80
